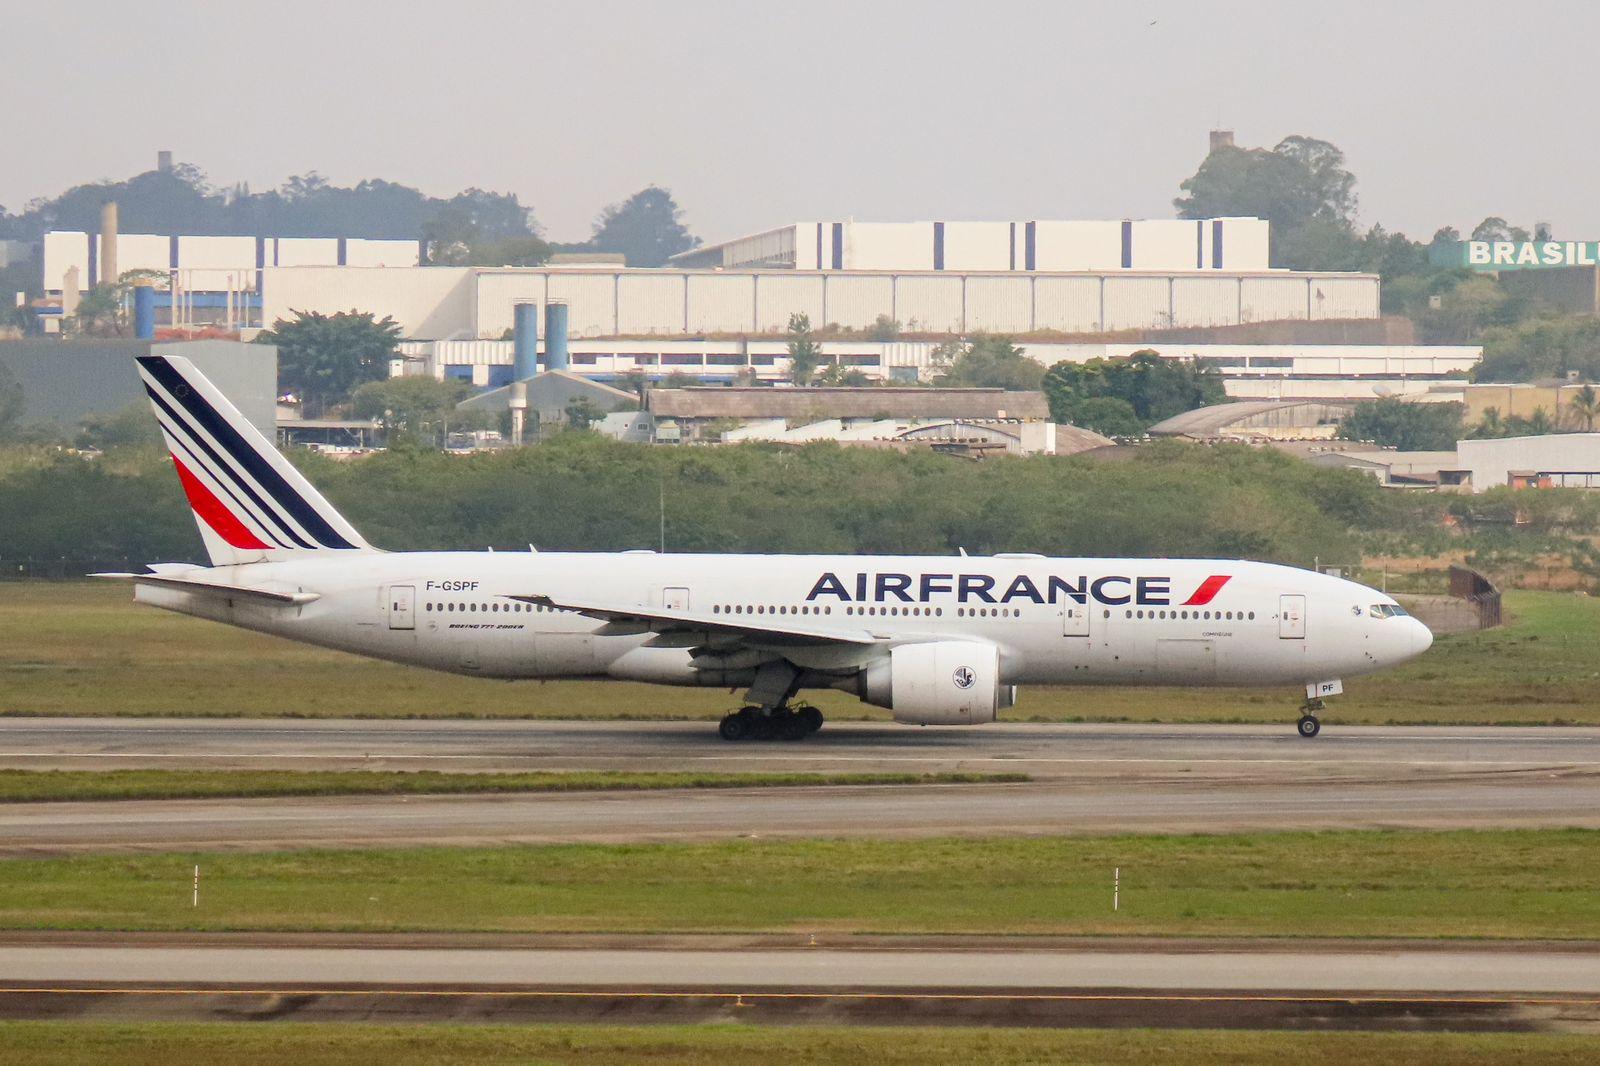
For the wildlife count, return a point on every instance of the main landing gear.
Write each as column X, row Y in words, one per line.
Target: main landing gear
column 776, row 723
column 1310, row 725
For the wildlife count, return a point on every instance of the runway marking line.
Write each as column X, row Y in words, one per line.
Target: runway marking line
column 1574, row 1001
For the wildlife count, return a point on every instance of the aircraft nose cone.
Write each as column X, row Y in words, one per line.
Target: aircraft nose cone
column 1421, row 637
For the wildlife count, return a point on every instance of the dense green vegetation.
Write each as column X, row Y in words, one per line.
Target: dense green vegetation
column 322, row 358
column 72, row 1043
column 1536, row 883
column 582, row 492
column 42, row 786
column 1410, row 427
column 1123, row 397
column 365, row 1044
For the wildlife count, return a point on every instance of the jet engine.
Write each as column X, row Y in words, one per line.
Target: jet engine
column 941, row 682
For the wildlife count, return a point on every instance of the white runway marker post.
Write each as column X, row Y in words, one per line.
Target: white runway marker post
column 1116, row 886
column 196, row 887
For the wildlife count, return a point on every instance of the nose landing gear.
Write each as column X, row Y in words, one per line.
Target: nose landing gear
column 1310, row 725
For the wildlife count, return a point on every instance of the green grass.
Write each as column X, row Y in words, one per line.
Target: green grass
column 357, row 1044
column 1523, row 883
column 83, row 648
column 37, row 786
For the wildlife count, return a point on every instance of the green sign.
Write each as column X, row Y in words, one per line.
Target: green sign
column 1517, row 255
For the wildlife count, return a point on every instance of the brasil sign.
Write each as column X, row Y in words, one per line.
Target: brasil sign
column 1517, row 255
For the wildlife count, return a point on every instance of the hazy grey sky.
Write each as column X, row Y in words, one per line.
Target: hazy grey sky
column 760, row 113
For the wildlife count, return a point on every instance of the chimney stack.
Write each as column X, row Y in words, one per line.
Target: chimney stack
column 108, row 244
column 164, row 161
column 1221, row 139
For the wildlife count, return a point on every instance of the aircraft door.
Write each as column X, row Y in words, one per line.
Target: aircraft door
column 675, row 599
column 1292, row 617
column 402, row 603
column 1075, row 620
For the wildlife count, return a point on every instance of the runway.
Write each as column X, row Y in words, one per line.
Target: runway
column 1040, row 750
column 1526, row 988
column 1459, row 971
column 1088, row 779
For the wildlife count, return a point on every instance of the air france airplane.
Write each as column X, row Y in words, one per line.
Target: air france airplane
column 937, row 641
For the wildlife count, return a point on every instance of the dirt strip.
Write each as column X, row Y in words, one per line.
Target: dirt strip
column 1046, row 1008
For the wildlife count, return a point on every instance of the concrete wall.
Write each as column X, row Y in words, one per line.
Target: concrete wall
column 64, row 381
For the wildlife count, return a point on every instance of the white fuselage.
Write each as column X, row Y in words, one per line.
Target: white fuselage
column 1054, row 621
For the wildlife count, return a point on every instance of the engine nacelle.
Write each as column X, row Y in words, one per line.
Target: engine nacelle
column 942, row 682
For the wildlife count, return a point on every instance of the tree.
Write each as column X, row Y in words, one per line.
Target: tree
column 12, row 403
column 1540, row 348
column 323, row 358
column 1495, row 228
column 582, row 413
column 1586, row 407
column 645, row 228
column 837, row 375
column 804, row 351
column 993, row 363
column 1299, row 182
column 180, row 200
column 884, row 328
column 1108, row 415
column 128, row 426
column 1410, row 427
column 421, row 407
column 103, row 311
column 1148, row 386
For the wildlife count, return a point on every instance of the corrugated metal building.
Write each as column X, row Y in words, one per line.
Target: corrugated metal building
column 1032, row 245
column 1557, row 460
column 434, row 303
column 1255, row 419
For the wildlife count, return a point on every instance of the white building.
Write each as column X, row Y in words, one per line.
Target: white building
column 213, row 263
column 1331, row 372
column 1213, row 244
column 1557, row 460
column 1338, row 372
column 435, row 303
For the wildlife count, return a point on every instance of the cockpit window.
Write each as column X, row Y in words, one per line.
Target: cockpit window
column 1388, row 610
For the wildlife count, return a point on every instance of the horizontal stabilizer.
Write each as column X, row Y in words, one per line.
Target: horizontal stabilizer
column 211, row 588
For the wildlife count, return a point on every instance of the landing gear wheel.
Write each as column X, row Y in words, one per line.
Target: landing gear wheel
column 735, row 726
column 762, row 726
column 811, row 717
column 1309, row 725
column 786, row 725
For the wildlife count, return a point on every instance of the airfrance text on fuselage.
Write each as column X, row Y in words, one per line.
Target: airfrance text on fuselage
column 1114, row 590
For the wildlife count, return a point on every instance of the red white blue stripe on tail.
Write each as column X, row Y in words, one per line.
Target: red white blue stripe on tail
column 250, row 503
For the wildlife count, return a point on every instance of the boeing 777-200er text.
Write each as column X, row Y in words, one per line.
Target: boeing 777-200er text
column 937, row 641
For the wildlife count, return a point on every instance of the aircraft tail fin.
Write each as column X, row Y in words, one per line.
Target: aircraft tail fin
column 250, row 503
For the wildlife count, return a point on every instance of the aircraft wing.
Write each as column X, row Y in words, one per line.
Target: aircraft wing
column 211, row 588
column 758, row 628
